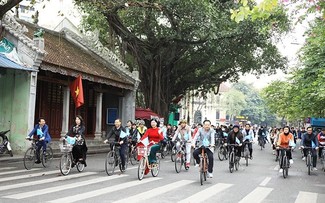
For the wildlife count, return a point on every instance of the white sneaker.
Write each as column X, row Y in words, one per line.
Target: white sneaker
column 291, row 161
column 197, row 165
column 315, row 169
column 210, row 175
column 281, row 170
column 304, row 158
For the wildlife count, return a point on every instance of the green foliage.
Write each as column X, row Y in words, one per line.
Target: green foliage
column 234, row 101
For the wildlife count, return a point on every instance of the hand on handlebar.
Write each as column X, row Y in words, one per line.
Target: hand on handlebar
column 105, row 141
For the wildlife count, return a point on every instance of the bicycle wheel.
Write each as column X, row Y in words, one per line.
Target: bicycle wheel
column 47, row 157
column 308, row 161
column 133, row 157
column 156, row 168
column 231, row 162
column 65, row 164
column 221, row 153
column 201, row 171
column 142, row 168
column 29, row 158
column 285, row 166
column 246, row 155
column 110, row 163
column 172, row 156
column 237, row 163
column 178, row 162
column 80, row 167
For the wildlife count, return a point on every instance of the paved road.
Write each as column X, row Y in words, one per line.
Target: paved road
column 259, row 182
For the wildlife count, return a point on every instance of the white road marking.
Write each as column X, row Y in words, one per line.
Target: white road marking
column 18, row 171
column 207, row 193
column 7, row 168
column 130, row 168
column 155, row 192
column 28, row 175
column 106, row 190
column 257, row 195
column 309, row 197
column 50, row 180
column 265, row 181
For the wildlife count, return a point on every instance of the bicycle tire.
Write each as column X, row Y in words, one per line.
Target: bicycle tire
column 178, row 162
column 285, row 166
column 201, row 171
column 231, row 162
column 172, row 156
column 80, row 167
column 155, row 170
column 29, row 158
column 48, row 157
column 308, row 161
column 65, row 164
column 221, row 154
column 133, row 157
column 110, row 163
column 141, row 168
column 246, row 155
column 236, row 163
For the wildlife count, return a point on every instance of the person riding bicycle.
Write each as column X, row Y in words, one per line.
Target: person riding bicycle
column 41, row 130
column 235, row 137
column 285, row 141
column 152, row 137
column 310, row 140
column 262, row 135
column 79, row 150
column 141, row 128
column 321, row 142
column 133, row 136
column 119, row 134
column 205, row 136
column 183, row 133
column 248, row 135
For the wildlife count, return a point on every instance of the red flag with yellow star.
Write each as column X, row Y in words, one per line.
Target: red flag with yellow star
column 77, row 91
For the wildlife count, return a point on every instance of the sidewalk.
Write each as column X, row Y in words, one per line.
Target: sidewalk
column 94, row 147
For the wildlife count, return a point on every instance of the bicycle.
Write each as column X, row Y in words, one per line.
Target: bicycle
column 204, row 163
column 285, row 161
column 180, row 160
column 322, row 158
column 113, row 159
column 233, row 160
column 30, row 155
column 144, row 166
column 66, row 160
column 222, row 152
column 246, row 151
column 5, row 144
column 133, row 153
column 173, row 153
column 308, row 158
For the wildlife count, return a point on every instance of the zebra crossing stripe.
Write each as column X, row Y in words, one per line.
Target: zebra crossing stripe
column 50, row 180
column 207, row 193
column 62, row 187
column 257, row 195
column 18, row 171
column 28, row 176
column 95, row 193
column 309, row 197
column 155, row 192
column 7, row 168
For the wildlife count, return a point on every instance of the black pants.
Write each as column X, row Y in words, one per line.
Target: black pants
column 210, row 158
column 39, row 145
column 250, row 147
column 320, row 152
column 313, row 155
column 79, row 152
column 123, row 151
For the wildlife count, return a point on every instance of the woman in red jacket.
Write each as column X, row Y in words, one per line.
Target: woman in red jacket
column 152, row 137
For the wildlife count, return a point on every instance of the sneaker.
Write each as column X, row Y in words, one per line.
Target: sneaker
column 197, row 165
column 210, row 175
column 188, row 165
column 251, row 157
column 304, row 158
column 314, row 169
column 281, row 170
column 273, row 152
column 123, row 168
column 291, row 161
column 37, row 162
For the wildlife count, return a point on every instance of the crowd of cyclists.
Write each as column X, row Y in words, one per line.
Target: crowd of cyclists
column 193, row 137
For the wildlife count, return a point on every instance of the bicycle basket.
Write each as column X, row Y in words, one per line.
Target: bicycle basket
column 65, row 148
column 142, row 151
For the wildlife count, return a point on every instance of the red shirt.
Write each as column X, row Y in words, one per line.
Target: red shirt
column 153, row 134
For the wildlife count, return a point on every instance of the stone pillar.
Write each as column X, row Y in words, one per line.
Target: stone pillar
column 128, row 106
column 99, row 108
column 66, row 105
column 32, row 100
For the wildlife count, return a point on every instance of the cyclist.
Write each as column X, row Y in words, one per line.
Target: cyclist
column 77, row 131
column 133, row 136
column 235, row 137
column 205, row 136
column 273, row 136
column 41, row 130
column 321, row 142
column 141, row 129
column 183, row 133
column 152, row 137
column 285, row 140
column 248, row 135
column 262, row 135
column 310, row 140
column 120, row 136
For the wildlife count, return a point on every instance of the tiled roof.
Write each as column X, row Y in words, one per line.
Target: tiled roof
column 67, row 55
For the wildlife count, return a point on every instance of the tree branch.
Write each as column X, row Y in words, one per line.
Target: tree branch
column 6, row 7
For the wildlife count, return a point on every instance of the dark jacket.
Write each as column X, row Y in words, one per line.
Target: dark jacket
column 115, row 133
column 308, row 139
column 231, row 139
column 45, row 130
column 77, row 130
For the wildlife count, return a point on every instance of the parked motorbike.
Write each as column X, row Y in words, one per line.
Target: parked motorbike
column 4, row 143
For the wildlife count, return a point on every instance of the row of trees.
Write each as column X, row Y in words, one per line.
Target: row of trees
column 303, row 94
